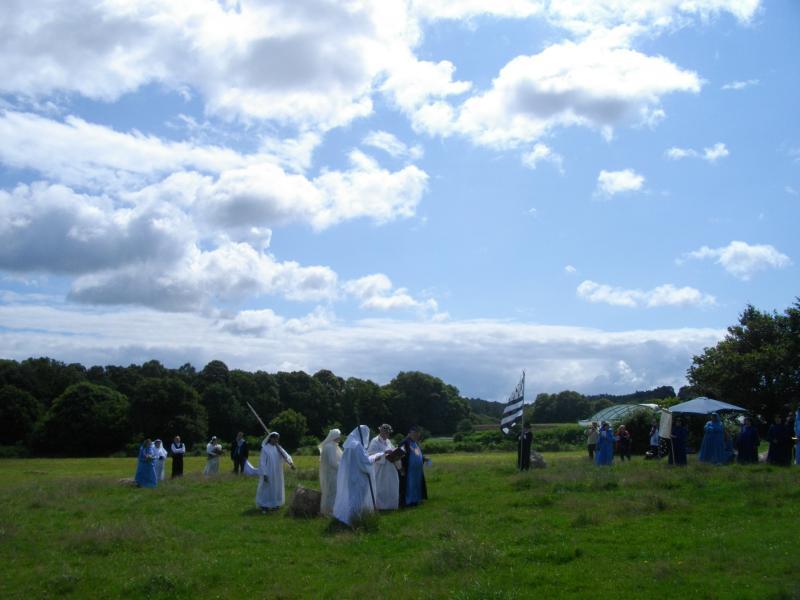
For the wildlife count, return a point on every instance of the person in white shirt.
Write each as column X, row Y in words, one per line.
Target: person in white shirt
column 178, row 450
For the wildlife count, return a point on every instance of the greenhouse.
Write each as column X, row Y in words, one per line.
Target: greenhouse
column 617, row 413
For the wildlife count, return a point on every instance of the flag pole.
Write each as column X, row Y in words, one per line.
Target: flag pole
column 521, row 443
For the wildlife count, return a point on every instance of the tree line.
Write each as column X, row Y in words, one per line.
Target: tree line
column 55, row 408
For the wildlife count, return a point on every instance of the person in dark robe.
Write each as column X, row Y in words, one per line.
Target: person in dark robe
column 797, row 435
column 178, row 450
column 604, row 453
column 678, row 437
column 747, row 443
column 624, row 443
column 239, row 453
column 524, row 449
column 412, row 476
column 780, row 443
column 145, row 466
column 712, row 450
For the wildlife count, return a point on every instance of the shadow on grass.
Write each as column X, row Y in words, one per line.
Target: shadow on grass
column 365, row 523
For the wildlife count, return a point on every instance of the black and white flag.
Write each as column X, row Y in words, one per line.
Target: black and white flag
column 512, row 413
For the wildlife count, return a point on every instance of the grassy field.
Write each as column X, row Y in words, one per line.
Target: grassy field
column 638, row 530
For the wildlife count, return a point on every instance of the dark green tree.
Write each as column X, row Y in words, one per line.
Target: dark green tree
column 214, row 372
column 292, row 426
column 756, row 365
column 415, row 398
column 226, row 414
column 306, row 395
column 86, row 419
column 166, row 407
column 19, row 412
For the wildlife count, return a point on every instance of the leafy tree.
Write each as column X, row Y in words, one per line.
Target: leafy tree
column 292, row 426
column 415, row 398
column 46, row 378
column 756, row 365
column 214, row 372
column 86, row 419
column 301, row 392
column 19, row 412
column 226, row 414
column 364, row 401
column 165, row 407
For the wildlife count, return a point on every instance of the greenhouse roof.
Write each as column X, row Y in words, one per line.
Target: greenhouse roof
column 616, row 413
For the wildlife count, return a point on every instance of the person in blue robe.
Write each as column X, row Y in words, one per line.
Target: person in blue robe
column 604, row 453
column 747, row 443
column 797, row 435
column 413, row 489
column 780, row 443
column 146, row 466
column 712, row 450
column 679, row 437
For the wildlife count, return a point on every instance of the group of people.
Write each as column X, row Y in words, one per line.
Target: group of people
column 360, row 477
column 717, row 447
column 368, row 475
column 152, row 460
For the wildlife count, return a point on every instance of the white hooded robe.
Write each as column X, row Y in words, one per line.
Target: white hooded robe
column 387, row 480
column 353, row 495
column 270, row 492
column 330, row 455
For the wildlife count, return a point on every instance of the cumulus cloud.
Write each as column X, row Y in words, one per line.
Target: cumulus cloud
column 480, row 357
column 610, row 183
column 377, row 292
column 596, row 82
column 543, row 153
column 710, row 154
column 663, row 295
column 743, row 260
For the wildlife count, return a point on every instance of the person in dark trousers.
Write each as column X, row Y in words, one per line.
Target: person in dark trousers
column 747, row 443
column 780, row 443
column 239, row 453
column 524, row 449
column 592, row 433
column 623, row 443
column 677, row 444
column 178, row 450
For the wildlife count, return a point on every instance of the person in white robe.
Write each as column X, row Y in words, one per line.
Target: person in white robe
column 387, row 479
column 329, row 457
column 160, row 459
column 213, row 452
column 355, row 482
column 270, row 494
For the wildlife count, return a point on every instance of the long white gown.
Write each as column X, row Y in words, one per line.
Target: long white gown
column 353, row 496
column 387, row 480
column 270, row 492
column 160, row 460
column 212, row 462
column 329, row 459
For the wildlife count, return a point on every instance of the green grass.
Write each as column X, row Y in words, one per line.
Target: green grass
column 639, row 530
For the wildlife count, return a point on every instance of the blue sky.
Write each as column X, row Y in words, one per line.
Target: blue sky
column 588, row 190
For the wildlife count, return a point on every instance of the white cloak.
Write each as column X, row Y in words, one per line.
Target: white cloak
column 270, row 493
column 212, row 464
column 160, row 458
column 353, row 495
column 329, row 459
column 387, row 481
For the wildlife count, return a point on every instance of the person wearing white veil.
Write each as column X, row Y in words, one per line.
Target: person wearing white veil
column 329, row 457
column 387, row 480
column 270, row 494
column 213, row 452
column 355, row 482
column 160, row 459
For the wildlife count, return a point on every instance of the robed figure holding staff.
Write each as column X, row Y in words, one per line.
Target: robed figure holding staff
column 387, row 479
column 330, row 455
column 355, row 483
column 270, row 494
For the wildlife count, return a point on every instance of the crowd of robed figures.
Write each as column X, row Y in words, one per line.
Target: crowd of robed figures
column 718, row 446
column 355, row 479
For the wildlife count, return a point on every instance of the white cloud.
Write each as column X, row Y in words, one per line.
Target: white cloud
column 376, row 292
column 570, row 269
column 743, row 260
column 596, row 83
column 791, row 191
column 468, row 9
column 740, row 85
column 540, row 153
column 389, row 143
column 480, row 357
column 663, row 295
column 616, row 182
column 710, row 154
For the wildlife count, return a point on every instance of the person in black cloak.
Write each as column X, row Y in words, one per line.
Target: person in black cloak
column 780, row 443
column 412, row 476
column 524, row 448
column 747, row 443
column 677, row 451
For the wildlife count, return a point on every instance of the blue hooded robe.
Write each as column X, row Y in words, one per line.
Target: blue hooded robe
column 604, row 453
column 146, row 468
column 712, row 450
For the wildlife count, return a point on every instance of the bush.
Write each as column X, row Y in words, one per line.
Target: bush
column 15, row 451
column 638, row 425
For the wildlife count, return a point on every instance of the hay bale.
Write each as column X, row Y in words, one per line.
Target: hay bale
column 537, row 460
column 305, row 502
